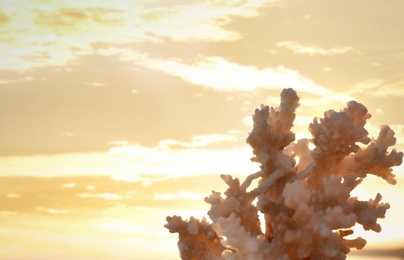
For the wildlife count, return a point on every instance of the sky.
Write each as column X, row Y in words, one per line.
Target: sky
column 118, row 113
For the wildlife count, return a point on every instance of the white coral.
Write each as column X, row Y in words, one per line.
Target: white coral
column 306, row 203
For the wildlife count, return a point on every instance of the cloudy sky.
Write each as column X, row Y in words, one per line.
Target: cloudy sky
column 118, row 103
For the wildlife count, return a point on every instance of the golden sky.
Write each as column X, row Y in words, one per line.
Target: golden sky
column 136, row 107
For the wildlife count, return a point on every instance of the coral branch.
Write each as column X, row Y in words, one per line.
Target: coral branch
column 197, row 239
column 306, row 203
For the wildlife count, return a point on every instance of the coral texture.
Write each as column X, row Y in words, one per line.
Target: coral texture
column 304, row 194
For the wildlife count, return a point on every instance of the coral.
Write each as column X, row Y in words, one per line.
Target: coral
column 197, row 239
column 304, row 194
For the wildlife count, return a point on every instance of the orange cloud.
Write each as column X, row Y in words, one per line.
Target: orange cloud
column 4, row 18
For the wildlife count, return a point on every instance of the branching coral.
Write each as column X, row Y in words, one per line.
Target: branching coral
column 306, row 203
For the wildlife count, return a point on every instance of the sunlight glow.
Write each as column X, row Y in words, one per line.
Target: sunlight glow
column 108, row 196
column 53, row 211
column 135, row 161
column 114, row 225
column 179, row 195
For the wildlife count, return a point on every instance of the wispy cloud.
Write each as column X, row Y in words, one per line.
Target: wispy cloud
column 183, row 195
column 311, row 49
column 53, row 211
column 13, row 81
column 378, row 88
column 107, row 196
column 219, row 74
column 199, row 141
column 203, row 21
column 96, row 84
column 52, row 34
column 132, row 162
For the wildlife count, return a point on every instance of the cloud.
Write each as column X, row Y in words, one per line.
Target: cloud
column 62, row 17
column 8, row 213
column 107, row 196
column 4, row 18
column 53, row 211
column 378, row 88
column 298, row 48
column 132, row 150
column 133, row 162
column 204, row 21
column 199, row 141
column 96, row 84
column 14, row 81
column 182, row 195
column 69, row 185
column 219, row 74
column 12, row 195
column 58, row 32
column 67, row 134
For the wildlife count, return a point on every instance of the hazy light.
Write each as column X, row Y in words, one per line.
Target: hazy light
column 179, row 195
column 107, row 196
column 53, row 211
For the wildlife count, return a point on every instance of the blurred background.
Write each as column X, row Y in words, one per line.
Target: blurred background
column 116, row 114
